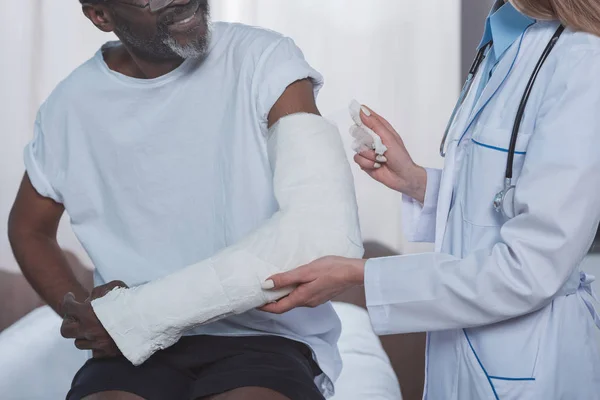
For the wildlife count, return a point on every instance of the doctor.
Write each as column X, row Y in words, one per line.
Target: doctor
column 509, row 313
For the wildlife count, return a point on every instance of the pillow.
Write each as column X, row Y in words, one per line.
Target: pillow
column 367, row 372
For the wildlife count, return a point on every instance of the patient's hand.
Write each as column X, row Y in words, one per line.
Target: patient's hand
column 80, row 323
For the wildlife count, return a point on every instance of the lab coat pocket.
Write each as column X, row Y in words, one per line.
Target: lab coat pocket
column 476, row 381
column 473, row 381
column 514, row 389
column 509, row 354
column 485, row 170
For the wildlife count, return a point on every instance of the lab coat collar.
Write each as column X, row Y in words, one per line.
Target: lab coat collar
column 487, row 32
column 502, row 71
column 503, row 27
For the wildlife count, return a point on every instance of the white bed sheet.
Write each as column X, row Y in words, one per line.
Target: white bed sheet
column 37, row 364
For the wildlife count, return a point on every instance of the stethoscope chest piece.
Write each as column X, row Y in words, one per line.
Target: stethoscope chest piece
column 504, row 201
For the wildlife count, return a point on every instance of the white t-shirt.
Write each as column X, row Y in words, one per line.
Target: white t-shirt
column 160, row 174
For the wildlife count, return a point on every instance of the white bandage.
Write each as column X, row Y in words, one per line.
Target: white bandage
column 317, row 217
column 364, row 137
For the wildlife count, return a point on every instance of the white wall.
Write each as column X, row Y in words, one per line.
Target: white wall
column 377, row 51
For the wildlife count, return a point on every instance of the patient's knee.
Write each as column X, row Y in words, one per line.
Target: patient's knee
column 113, row 396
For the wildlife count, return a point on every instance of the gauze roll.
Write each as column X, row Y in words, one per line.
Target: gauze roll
column 317, row 217
column 364, row 137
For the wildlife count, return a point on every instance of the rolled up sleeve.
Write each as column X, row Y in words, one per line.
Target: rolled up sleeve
column 38, row 164
column 280, row 65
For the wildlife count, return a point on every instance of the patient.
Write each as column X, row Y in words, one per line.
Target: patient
column 178, row 154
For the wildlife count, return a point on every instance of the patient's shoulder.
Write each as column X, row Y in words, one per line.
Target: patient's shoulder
column 245, row 37
column 75, row 87
column 248, row 45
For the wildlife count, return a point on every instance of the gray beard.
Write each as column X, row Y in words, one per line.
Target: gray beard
column 195, row 50
column 163, row 46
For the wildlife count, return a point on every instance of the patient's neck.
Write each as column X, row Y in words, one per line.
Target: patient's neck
column 123, row 61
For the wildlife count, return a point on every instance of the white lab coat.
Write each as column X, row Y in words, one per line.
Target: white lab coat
column 510, row 314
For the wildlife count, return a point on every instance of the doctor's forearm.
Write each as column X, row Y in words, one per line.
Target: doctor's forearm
column 437, row 291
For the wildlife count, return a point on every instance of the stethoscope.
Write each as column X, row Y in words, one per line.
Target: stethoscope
column 507, row 194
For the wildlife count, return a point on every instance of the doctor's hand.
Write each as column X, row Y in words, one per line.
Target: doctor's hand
column 80, row 323
column 396, row 169
column 316, row 283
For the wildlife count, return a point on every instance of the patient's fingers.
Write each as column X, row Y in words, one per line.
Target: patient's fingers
column 68, row 305
column 70, row 329
column 73, row 317
column 103, row 290
column 71, row 308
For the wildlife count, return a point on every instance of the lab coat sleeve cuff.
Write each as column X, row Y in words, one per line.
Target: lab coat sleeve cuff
column 419, row 220
column 399, row 292
column 377, row 307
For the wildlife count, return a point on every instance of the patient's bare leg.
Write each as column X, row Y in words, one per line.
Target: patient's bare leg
column 113, row 396
column 248, row 393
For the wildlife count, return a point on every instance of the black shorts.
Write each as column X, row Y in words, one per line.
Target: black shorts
column 200, row 366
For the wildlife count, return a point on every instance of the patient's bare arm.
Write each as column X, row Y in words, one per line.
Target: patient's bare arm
column 32, row 228
column 297, row 98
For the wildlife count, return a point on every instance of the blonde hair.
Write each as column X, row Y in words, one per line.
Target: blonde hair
column 581, row 15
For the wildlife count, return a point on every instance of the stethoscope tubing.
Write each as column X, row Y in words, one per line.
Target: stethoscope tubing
column 500, row 198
